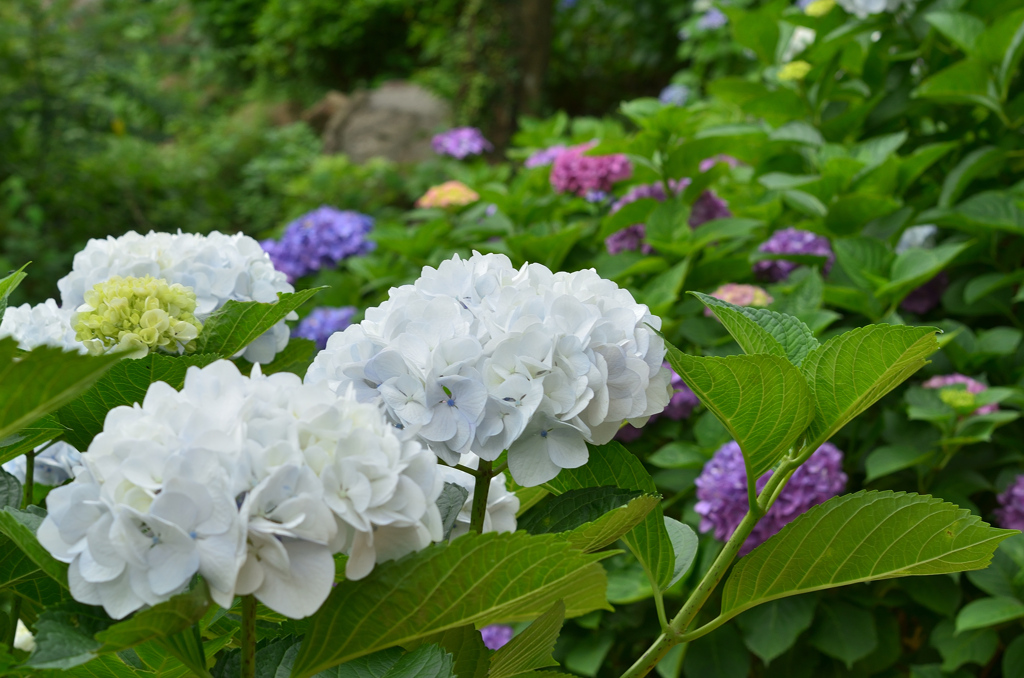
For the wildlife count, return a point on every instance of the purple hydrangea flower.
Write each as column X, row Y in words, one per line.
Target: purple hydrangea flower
column 573, row 172
column 722, row 492
column 496, row 636
column 320, row 239
column 628, row 239
column 973, row 386
column 655, row 191
column 674, row 95
column 1010, row 513
column 713, row 18
column 708, row 207
column 927, row 296
column 324, row 321
column 461, row 142
column 680, row 406
column 792, row 241
column 708, row 163
column 544, row 157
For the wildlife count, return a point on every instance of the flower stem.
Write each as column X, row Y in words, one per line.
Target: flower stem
column 30, row 474
column 15, row 614
column 480, row 490
column 248, row 636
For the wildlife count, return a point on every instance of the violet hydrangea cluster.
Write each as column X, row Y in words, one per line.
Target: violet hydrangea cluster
column 479, row 356
column 461, row 142
column 324, row 321
column 320, row 239
column 544, row 157
column 1010, row 513
column 574, row 172
column 972, row 386
column 496, row 636
column 792, row 241
column 722, row 492
column 927, row 296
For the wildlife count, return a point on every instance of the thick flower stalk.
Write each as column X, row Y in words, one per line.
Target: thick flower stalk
column 324, row 321
column 251, row 482
column 461, row 142
column 217, row 267
column 741, row 295
column 722, row 492
column 574, row 172
column 502, row 505
column 1010, row 513
column 479, row 356
column 320, row 239
column 448, row 194
column 791, row 241
column 948, row 385
column 45, row 324
column 137, row 315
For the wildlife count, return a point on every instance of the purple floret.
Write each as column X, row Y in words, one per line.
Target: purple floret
column 927, row 296
column 461, row 142
column 544, row 157
column 707, row 207
column 320, row 239
column 496, row 636
column 324, row 321
column 722, row 492
column 1010, row 513
column 792, row 241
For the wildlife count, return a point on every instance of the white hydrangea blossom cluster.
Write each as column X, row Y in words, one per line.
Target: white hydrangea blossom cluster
column 479, row 356
column 45, row 324
column 218, row 268
column 502, row 505
column 864, row 8
column 251, row 482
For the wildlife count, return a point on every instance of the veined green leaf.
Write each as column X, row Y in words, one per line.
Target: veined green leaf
column 758, row 330
column 985, row 612
column 29, row 438
column 295, row 358
column 20, row 527
column 589, row 518
column 160, row 621
column 7, row 285
column 39, row 382
column 848, row 373
column 464, row 643
column 965, row 82
column 917, row 266
column 961, row 28
column 861, row 537
column 684, row 545
column 476, row 579
column 771, row 629
column 237, row 324
column 762, row 400
column 532, row 648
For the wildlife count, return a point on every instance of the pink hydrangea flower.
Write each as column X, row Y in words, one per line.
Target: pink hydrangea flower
column 450, row 193
column 574, row 172
column 741, row 295
column 973, row 386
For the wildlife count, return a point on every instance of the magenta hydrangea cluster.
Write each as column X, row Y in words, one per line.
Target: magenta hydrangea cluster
column 973, row 386
column 320, row 239
column 708, row 163
column 496, row 636
column 324, row 321
column 680, row 406
column 927, row 296
column 574, row 172
column 544, row 157
column 792, row 241
column 1010, row 513
column 461, row 142
column 722, row 492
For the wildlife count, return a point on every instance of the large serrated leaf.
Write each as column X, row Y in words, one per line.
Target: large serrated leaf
column 41, row 381
column 848, row 373
column 758, row 330
column 125, row 384
column 593, row 517
column 237, row 324
column 861, row 537
column 21, row 574
column 762, row 400
column 613, row 525
column 476, row 579
column 532, row 648
column 613, row 464
column 29, row 438
column 465, row 644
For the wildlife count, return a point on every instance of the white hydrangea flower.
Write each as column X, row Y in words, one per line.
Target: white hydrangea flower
column 251, row 482
column 502, row 505
column 864, row 8
column 53, row 466
column 801, row 39
column 479, row 356
column 24, row 639
column 218, row 267
column 44, row 324
column 922, row 236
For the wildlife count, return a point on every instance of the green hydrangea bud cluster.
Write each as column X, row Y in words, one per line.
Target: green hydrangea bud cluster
column 959, row 399
column 138, row 315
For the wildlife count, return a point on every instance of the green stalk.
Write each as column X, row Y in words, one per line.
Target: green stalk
column 30, row 472
column 248, row 636
column 15, row 614
column 481, row 487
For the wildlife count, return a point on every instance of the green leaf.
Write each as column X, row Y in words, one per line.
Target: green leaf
column 613, row 464
column 450, row 503
column 975, row 163
column 849, row 214
column 986, row 612
column 939, row 593
column 29, row 438
column 160, row 621
column 1014, row 50
column 892, row 458
column 756, row 29
column 635, row 212
column 606, row 528
column 20, row 573
column 532, row 648
column 960, row 28
column 187, row 647
column 476, row 579
column 969, row 647
column 850, row 372
column 8, row 285
column 994, row 210
column 106, row 666
column 917, row 266
column 39, row 382
column 296, row 358
column 866, row 261
column 125, row 384
column 428, row 661
column 758, row 330
column 805, row 203
column 567, row 511
column 662, row 292
column 720, row 654
column 684, row 545
column 860, row 537
column 771, row 629
column 10, row 490
column 762, row 400
column 464, row 643
column 918, row 162
column 64, row 636
column 20, row 527
column 1013, row 659
column 844, row 631
column 237, row 324
column 722, row 230
column 965, row 82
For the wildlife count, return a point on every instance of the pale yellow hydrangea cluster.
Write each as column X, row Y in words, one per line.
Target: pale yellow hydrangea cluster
column 448, row 194
column 138, row 315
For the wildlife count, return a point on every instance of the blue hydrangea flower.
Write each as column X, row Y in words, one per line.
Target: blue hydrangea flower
column 792, row 241
column 461, row 142
column 713, row 18
column 324, row 321
column 320, row 239
column 674, row 95
column 722, row 492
